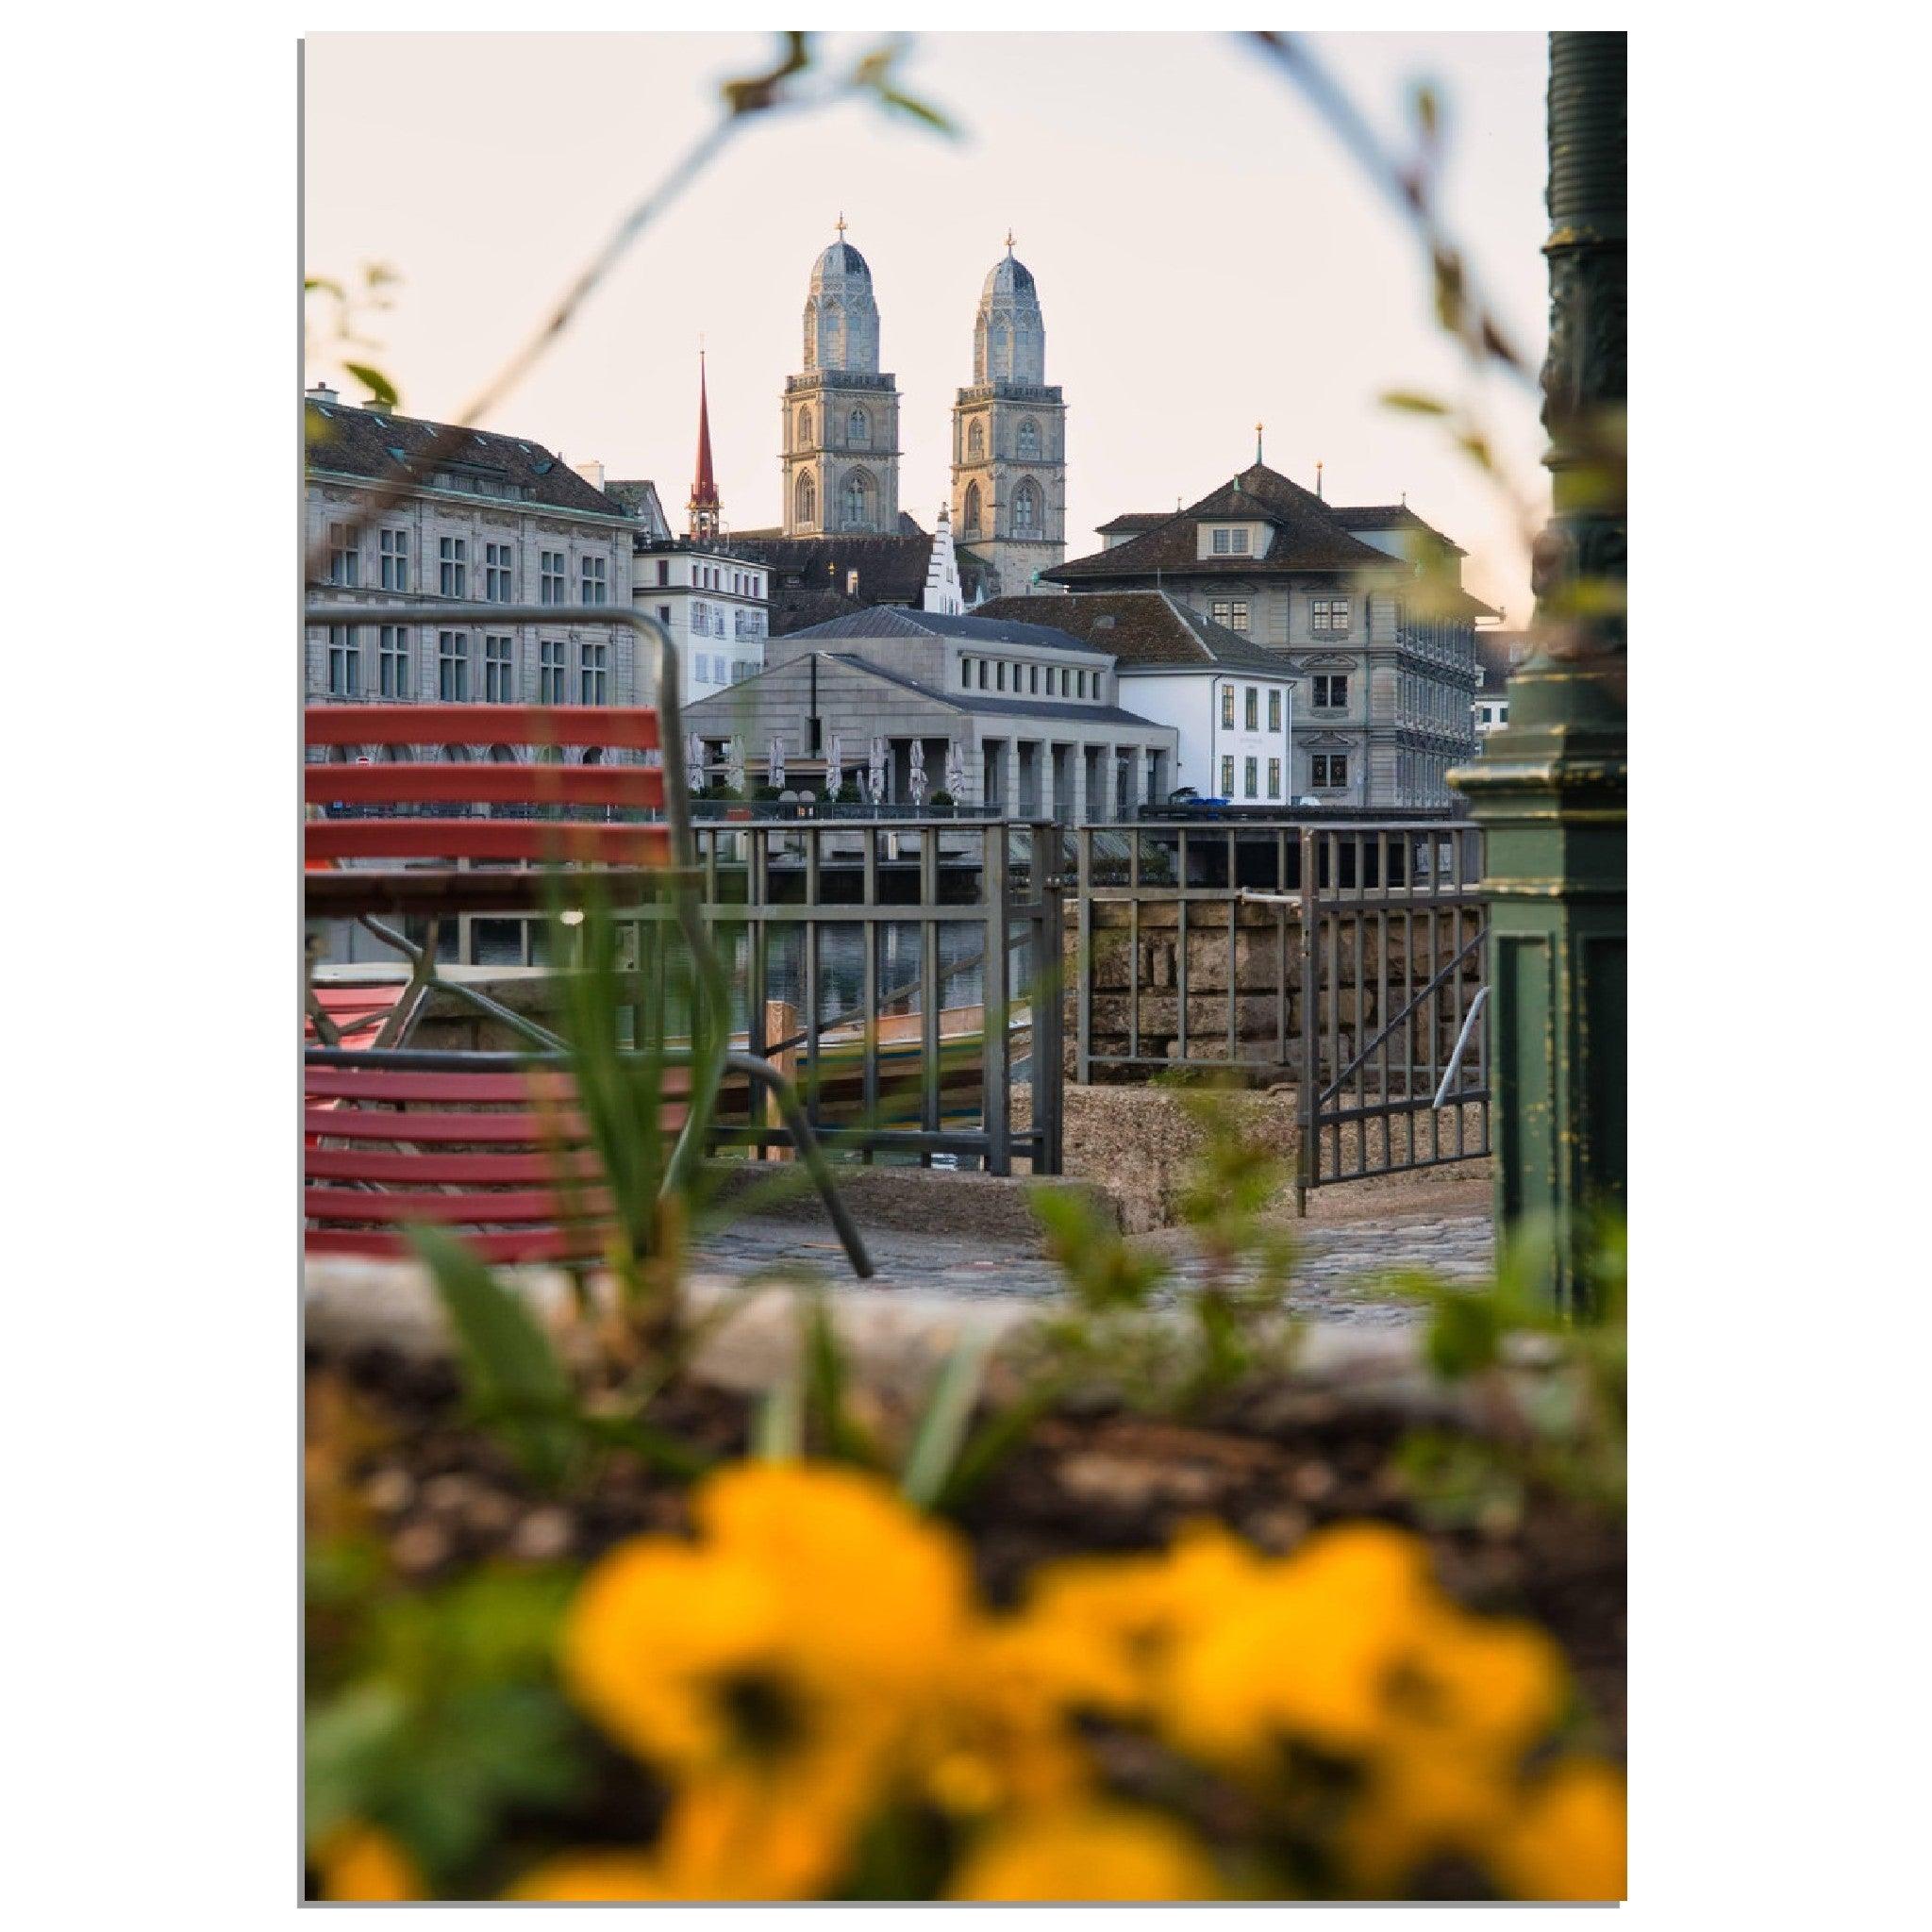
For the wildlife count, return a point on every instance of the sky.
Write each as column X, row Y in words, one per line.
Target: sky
column 1207, row 256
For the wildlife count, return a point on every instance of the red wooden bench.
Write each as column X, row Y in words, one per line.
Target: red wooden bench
column 483, row 1143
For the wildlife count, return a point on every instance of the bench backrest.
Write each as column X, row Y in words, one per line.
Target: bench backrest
column 536, row 786
column 501, row 1157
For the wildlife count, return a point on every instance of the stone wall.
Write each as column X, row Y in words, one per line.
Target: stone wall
column 1377, row 965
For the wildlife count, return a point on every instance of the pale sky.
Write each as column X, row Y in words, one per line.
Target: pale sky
column 1205, row 253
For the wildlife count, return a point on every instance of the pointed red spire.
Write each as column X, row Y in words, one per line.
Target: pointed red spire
column 703, row 509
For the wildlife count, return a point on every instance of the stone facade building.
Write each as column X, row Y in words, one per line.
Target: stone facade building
column 1009, row 436
column 500, row 520
column 1363, row 605
column 1034, row 714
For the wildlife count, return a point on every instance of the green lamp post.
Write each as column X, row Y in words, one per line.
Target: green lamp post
column 1551, row 789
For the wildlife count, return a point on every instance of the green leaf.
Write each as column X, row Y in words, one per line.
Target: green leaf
column 918, row 111
column 508, row 1364
column 1413, row 402
column 929, row 1463
column 780, row 1435
column 380, row 387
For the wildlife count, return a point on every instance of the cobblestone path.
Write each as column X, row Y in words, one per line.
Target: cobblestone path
column 1334, row 1278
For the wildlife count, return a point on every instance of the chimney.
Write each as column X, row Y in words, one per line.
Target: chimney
column 322, row 394
column 593, row 474
column 376, row 407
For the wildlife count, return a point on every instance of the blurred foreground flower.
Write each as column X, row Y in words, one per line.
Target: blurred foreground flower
column 836, row 1716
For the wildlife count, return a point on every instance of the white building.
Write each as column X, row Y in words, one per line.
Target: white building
column 713, row 605
column 1230, row 700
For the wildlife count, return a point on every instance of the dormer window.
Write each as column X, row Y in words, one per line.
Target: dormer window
column 1230, row 543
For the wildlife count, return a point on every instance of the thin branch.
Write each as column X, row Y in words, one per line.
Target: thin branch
column 1409, row 187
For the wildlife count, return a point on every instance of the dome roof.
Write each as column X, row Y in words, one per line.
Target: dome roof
column 839, row 260
column 1011, row 278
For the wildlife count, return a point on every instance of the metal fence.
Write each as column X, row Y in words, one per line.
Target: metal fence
column 1345, row 960
column 899, row 972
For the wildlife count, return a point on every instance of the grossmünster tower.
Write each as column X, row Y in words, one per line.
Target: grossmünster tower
column 1010, row 446
column 842, row 416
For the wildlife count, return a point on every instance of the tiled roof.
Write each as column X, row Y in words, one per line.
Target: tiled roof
column 1389, row 516
column 1135, row 521
column 1151, row 628
column 808, row 574
column 979, row 628
column 346, row 440
column 1306, row 537
column 1499, row 652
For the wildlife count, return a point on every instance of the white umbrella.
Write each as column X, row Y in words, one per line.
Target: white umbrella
column 693, row 759
column 774, row 772
column 835, row 767
column 955, row 769
column 915, row 772
column 877, row 761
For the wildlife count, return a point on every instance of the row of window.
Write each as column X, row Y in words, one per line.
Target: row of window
column 858, row 429
column 858, row 500
column 1026, row 439
column 453, row 568
column 495, row 684
column 1251, row 709
column 711, row 576
column 1251, row 778
column 714, row 666
column 1331, row 614
column 1029, row 509
column 1028, row 680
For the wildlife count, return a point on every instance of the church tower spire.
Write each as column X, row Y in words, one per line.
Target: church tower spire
column 1009, row 451
column 841, row 438
column 703, row 512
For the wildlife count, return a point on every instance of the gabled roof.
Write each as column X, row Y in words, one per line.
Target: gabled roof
column 1143, row 629
column 1306, row 537
column 1389, row 516
column 979, row 628
column 1132, row 522
column 346, row 440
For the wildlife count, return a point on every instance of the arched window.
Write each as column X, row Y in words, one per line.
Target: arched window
column 1030, row 438
column 973, row 510
column 835, row 335
column 811, row 334
column 859, row 501
column 857, row 431
column 805, row 429
column 808, row 501
column 975, row 442
column 1027, row 507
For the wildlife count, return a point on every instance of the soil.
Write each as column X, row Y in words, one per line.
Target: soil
column 444, row 1495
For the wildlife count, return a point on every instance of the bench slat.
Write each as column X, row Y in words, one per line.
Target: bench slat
column 535, row 841
column 417, row 1168
column 638, row 786
column 620, row 727
column 577, row 1241
column 473, row 1207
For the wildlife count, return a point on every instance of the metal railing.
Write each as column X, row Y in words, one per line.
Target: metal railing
column 1345, row 959
column 898, row 969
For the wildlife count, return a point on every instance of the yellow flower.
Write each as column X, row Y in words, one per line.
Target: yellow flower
column 363, row 1864
column 594, row 1878
column 1567, row 1840
column 1094, row 1851
column 1308, row 1649
column 780, row 1666
column 1105, row 1628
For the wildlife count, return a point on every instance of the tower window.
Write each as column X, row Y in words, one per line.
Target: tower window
column 804, row 428
column 1027, row 507
column 859, row 501
column 975, row 442
column 857, row 432
column 1030, row 438
column 807, row 497
column 973, row 507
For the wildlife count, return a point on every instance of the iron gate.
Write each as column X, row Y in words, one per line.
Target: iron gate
column 1344, row 959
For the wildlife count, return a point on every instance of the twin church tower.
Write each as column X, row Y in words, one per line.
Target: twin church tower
column 1009, row 452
